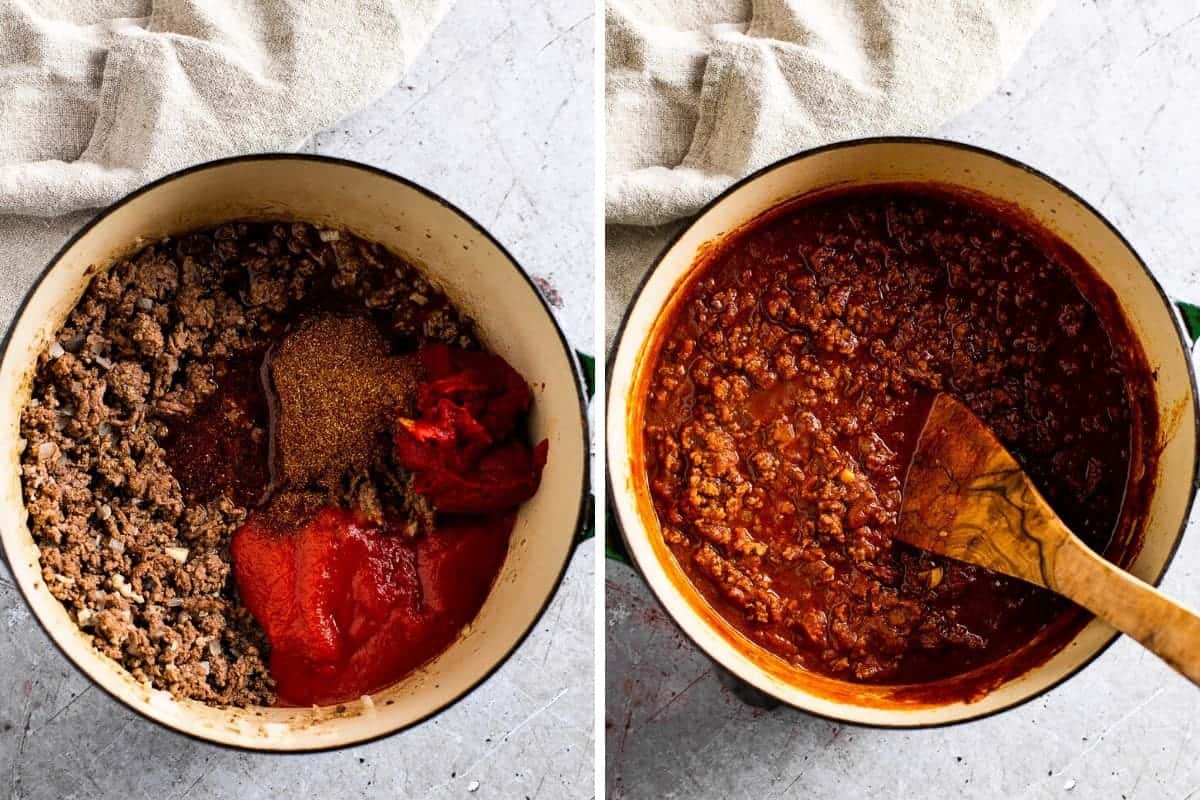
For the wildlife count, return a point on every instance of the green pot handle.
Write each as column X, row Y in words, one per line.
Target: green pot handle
column 587, row 368
column 1191, row 319
column 614, row 545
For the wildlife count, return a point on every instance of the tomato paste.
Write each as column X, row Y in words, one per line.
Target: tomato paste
column 461, row 448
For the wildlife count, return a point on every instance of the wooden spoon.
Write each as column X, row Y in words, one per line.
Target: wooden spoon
column 966, row 498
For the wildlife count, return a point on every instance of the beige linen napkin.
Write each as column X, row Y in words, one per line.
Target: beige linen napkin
column 98, row 97
column 700, row 93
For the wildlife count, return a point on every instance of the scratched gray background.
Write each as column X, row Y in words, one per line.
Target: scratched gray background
column 1105, row 99
column 496, row 115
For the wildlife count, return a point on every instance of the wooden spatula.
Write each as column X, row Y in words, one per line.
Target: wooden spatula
column 966, row 498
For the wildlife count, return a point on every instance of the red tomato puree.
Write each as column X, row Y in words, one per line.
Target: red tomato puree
column 351, row 607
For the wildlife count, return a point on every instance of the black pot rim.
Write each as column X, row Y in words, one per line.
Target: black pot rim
column 1012, row 162
column 580, row 518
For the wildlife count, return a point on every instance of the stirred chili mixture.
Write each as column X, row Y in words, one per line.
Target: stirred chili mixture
column 786, row 391
column 271, row 463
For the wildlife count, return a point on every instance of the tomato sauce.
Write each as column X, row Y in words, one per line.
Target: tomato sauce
column 350, row 607
column 786, row 390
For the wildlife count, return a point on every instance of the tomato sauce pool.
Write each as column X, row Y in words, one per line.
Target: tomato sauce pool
column 351, row 607
column 785, row 392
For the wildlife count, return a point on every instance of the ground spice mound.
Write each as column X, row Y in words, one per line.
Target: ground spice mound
column 336, row 389
column 157, row 368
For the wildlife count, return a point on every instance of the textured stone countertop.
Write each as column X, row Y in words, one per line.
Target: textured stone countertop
column 467, row 122
column 1105, row 101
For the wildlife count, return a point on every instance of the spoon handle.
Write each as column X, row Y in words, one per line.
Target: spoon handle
column 1166, row 628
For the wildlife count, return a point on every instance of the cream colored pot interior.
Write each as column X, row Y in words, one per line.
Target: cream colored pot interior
column 1151, row 319
column 476, row 274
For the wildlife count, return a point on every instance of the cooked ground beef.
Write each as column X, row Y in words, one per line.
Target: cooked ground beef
column 787, row 393
column 140, row 561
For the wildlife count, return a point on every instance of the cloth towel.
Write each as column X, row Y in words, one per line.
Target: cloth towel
column 700, row 93
column 98, row 97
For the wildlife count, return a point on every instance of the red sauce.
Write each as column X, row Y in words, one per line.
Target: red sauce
column 350, row 607
column 786, row 390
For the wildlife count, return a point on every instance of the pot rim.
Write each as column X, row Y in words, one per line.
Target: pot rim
column 581, row 514
column 614, row 403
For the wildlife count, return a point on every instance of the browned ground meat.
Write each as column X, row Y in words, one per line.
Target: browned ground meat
column 141, row 563
column 787, row 394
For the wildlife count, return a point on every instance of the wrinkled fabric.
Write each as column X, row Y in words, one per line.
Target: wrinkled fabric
column 98, row 97
column 700, row 93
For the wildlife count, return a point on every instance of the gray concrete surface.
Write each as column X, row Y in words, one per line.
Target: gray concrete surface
column 497, row 116
column 1104, row 100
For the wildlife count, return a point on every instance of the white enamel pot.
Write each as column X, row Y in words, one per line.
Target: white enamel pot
column 959, row 168
column 478, row 275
